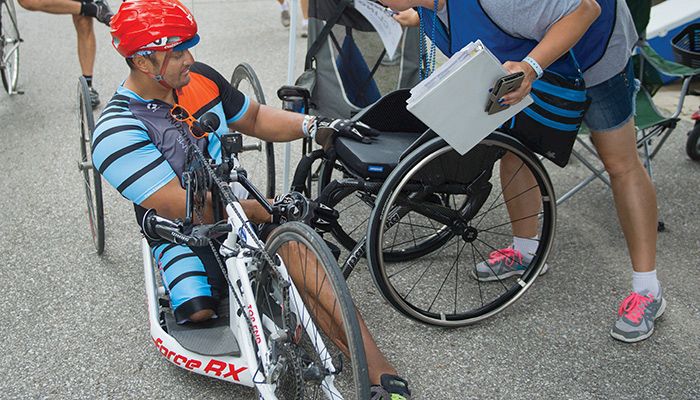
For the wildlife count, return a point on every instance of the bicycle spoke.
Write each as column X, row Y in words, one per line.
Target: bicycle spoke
column 449, row 272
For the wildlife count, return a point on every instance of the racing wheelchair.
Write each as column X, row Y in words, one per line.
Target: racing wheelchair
column 289, row 327
column 432, row 220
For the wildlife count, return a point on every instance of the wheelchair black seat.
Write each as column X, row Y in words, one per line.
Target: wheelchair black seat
column 376, row 160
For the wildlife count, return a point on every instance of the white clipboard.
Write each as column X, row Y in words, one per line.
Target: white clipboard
column 452, row 101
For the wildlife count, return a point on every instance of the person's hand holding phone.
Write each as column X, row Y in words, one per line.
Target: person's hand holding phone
column 517, row 95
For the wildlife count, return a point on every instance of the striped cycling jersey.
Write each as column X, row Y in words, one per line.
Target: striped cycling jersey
column 136, row 145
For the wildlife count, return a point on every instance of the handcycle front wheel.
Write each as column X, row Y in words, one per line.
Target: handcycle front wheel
column 320, row 319
column 435, row 191
column 92, row 180
column 9, row 42
column 257, row 155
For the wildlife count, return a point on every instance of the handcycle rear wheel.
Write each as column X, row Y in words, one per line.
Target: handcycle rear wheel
column 257, row 156
column 441, row 287
column 9, row 52
column 92, row 180
column 323, row 303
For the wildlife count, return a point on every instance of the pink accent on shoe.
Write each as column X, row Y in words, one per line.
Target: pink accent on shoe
column 508, row 254
column 633, row 306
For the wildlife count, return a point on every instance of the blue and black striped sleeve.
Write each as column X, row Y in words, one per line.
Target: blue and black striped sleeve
column 126, row 157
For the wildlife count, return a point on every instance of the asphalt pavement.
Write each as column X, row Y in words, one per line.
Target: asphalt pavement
column 75, row 324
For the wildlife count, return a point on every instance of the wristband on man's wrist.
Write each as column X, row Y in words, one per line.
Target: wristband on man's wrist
column 535, row 66
column 308, row 127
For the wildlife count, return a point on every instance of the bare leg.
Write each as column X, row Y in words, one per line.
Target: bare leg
column 305, row 8
column 633, row 191
column 52, row 6
column 86, row 43
column 319, row 298
column 521, row 194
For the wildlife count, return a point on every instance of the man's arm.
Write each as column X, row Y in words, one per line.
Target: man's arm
column 270, row 124
column 169, row 201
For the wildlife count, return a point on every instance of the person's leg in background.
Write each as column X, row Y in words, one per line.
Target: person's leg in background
column 305, row 21
column 96, row 9
column 83, row 12
column 284, row 12
column 86, row 52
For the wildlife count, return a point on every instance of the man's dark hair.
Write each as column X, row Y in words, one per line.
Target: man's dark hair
column 130, row 60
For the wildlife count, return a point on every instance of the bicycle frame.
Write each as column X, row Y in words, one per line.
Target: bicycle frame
column 254, row 364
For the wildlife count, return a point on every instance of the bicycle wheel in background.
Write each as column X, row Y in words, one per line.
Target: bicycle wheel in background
column 91, row 177
column 257, row 156
column 436, row 193
column 9, row 40
column 320, row 368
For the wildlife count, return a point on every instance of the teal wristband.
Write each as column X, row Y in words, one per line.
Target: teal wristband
column 535, row 66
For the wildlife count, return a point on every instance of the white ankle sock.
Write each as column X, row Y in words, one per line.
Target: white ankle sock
column 646, row 281
column 304, row 22
column 527, row 246
column 284, row 6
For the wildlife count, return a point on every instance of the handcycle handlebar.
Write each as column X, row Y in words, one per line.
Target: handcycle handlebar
column 156, row 227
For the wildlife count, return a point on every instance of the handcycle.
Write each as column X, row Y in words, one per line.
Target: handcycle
column 253, row 152
column 427, row 215
column 9, row 47
column 289, row 328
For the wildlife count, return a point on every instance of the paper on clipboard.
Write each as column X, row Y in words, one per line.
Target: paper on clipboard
column 381, row 18
column 453, row 99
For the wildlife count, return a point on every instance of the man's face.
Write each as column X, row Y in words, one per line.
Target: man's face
column 177, row 70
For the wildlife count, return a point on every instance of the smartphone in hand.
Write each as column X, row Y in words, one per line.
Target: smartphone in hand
column 501, row 87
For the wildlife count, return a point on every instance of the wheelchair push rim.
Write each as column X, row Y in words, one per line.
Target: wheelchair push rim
column 431, row 288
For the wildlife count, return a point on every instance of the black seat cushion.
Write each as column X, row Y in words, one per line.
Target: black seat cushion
column 376, row 160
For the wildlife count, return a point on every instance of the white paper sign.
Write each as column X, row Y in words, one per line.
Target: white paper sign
column 381, row 18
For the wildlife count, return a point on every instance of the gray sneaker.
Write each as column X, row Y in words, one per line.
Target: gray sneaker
column 104, row 13
column 94, row 98
column 503, row 264
column 285, row 18
column 636, row 315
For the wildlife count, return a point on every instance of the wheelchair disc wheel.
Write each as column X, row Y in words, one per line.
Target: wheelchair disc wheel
column 313, row 306
column 434, row 190
column 92, row 181
column 9, row 40
column 692, row 146
column 257, row 156
column 354, row 207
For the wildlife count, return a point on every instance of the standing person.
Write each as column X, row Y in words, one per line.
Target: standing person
column 284, row 16
column 138, row 150
column 530, row 36
column 83, row 13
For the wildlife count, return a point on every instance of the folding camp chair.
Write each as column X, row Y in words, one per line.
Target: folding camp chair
column 346, row 67
column 653, row 127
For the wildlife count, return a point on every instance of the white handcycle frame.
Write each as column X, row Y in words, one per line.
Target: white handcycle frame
column 244, row 369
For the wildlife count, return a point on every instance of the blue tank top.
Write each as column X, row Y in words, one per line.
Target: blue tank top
column 468, row 21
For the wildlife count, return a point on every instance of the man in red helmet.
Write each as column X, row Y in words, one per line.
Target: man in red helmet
column 138, row 150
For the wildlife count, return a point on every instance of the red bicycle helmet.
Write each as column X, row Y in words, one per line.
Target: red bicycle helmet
column 153, row 25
